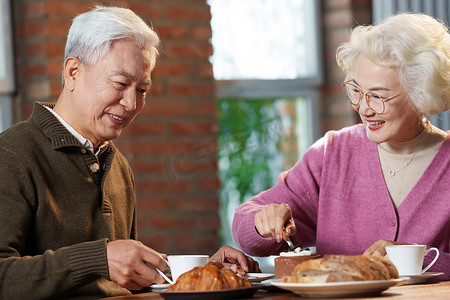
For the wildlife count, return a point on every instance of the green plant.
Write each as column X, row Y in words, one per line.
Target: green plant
column 248, row 141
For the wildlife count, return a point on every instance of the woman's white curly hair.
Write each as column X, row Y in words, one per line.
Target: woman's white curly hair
column 417, row 45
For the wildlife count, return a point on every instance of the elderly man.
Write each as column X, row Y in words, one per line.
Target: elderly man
column 67, row 206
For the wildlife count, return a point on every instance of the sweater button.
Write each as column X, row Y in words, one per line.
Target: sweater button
column 82, row 150
column 393, row 223
column 94, row 167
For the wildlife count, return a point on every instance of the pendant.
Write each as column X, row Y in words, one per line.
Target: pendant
column 391, row 173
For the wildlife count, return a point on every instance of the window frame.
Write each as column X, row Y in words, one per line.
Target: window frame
column 283, row 88
column 7, row 83
column 270, row 88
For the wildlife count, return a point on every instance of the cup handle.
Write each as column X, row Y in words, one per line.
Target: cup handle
column 434, row 260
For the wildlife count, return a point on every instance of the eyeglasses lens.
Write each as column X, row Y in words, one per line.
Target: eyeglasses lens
column 355, row 96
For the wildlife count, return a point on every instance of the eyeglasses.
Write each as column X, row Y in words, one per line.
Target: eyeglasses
column 355, row 95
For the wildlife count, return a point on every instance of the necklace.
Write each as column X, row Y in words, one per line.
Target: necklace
column 391, row 171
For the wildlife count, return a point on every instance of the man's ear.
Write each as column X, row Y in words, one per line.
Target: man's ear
column 71, row 72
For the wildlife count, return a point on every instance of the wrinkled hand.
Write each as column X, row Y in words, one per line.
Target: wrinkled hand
column 233, row 259
column 377, row 248
column 128, row 263
column 275, row 220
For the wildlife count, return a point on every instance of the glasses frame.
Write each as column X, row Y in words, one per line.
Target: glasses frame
column 365, row 95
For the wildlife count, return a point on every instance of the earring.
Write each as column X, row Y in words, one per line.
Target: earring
column 423, row 118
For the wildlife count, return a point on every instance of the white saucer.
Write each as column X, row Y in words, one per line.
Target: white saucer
column 415, row 279
column 258, row 277
column 160, row 286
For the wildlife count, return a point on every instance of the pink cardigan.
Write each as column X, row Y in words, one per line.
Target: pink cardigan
column 340, row 202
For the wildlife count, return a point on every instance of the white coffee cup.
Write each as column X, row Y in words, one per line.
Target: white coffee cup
column 180, row 264
column 408, row 259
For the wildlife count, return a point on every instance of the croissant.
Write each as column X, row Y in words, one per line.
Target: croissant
column 213, row 276
column 335, row 268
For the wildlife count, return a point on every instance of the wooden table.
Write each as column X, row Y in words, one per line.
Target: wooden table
column 435, row 291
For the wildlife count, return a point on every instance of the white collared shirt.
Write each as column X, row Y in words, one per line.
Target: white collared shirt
column 84, row 141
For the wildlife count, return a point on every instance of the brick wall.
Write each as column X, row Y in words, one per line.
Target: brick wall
column 339, row 16
column 171, row 145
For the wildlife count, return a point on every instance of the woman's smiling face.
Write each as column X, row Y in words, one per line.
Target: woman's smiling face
column 400, row 120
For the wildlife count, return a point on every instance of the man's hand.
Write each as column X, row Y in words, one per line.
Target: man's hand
column 275, row 220
column 129, row 264
column 377, row 248
column 233, row 259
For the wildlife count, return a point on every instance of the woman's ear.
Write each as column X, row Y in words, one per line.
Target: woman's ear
column 71, row 71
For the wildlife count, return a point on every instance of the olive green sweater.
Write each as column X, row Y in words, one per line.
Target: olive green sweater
column 58, row 211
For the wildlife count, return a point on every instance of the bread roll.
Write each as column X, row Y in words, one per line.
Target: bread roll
column 213, row 276
column 335, row 268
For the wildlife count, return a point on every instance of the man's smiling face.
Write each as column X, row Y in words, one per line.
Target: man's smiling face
column 108, row 95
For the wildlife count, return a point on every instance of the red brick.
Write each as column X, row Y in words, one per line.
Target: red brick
column 171, row 222
column 142, row 166
column 199, row 203
column 167, row 107
column 56, row 48
column 66, row 8
column 152, row 203
column 186, row 164
column 339, row 18
column 146, row 128
column 330, row 4
column 189, row 50
column 190, row 243
column 154, row 186
column 190, row 88
column 33, row 29
column 167, row 32
column 205, row 108
column 172, row 69
column 336, row 37
column 210, row 184
column 193, row 127
column 202, row 33
column 204, row 70
column 54, row 67
column 364, row 3
column 26, row 111
column 37, row 49
column 158, row 243
column 159, row 147
column 34, row 9
column 59, row 28
column 210, row 224
column 156, row 89
column 188, row 13
column 146, row 11
column 55, row 89
column 36, row 69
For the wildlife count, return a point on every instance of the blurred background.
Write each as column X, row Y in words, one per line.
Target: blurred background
column 240, row 91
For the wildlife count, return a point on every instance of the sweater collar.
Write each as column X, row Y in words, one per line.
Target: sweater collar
column 429, row 137
column 54, row 130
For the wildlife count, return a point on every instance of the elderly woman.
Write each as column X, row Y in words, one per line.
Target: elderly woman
column 385, row 181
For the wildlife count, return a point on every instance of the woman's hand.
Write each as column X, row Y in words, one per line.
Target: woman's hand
column 275, row 220
column 377, row 249
column 235, row 259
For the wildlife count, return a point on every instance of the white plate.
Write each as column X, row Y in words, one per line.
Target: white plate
column 339, row 289
column 415, row 279
column 258, row 277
